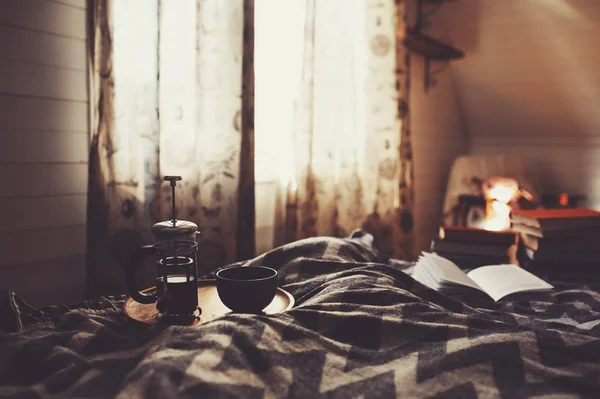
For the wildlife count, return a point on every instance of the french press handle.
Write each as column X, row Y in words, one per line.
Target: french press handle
column 136, row 260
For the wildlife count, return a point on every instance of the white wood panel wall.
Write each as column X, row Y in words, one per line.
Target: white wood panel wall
column 44, row 149
column 437, row 125
column 438, row 138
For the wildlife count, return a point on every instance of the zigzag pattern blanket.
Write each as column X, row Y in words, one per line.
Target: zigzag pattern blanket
column 361, row 327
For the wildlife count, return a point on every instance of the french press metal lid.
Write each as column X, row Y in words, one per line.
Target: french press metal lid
column 174, row 229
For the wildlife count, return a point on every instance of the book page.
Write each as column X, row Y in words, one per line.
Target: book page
column 447, row 272
column 501, row 280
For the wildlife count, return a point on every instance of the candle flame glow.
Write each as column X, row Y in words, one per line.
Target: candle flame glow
column 499, row 192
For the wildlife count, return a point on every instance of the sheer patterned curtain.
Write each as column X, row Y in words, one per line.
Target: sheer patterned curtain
column 351, row 139
column 172, row 91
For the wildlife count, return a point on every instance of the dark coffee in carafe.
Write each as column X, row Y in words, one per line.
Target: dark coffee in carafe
column 176, row 281
column 180, row 297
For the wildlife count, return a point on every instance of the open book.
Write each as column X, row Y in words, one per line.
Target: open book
column 497, row 281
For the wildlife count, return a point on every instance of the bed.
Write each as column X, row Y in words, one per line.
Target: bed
column 361, row 327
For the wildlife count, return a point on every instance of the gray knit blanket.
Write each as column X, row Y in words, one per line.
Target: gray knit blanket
column 361, row 327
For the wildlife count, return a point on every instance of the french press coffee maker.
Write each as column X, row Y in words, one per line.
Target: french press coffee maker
column 174, row 251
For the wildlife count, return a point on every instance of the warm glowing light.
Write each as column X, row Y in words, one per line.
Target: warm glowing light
column 500, row 218
column 500, row 189
column 564, row 199
column 499, row 192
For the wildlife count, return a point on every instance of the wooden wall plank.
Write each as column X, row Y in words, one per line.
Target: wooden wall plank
column 19, row 214
column 40, row 81
column 39, row 244
column 47, row 282
column 37, row 47
column 23, row 113
column 44, row 16
column 43, row 180
column 44, row 151
column 43, row 147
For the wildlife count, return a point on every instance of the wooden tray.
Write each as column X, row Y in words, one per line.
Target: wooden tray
column 209, row 302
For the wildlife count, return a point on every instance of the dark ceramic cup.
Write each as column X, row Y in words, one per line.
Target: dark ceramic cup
column 247, row 289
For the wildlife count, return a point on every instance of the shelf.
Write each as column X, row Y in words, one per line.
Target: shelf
column 429, row 47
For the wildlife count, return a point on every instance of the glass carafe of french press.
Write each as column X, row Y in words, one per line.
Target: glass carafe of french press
column 174, row 250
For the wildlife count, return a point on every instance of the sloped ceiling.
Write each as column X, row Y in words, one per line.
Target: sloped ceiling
column 532, row 67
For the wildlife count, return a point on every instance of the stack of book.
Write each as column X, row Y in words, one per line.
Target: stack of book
column 470, row 248
column 555, row 238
